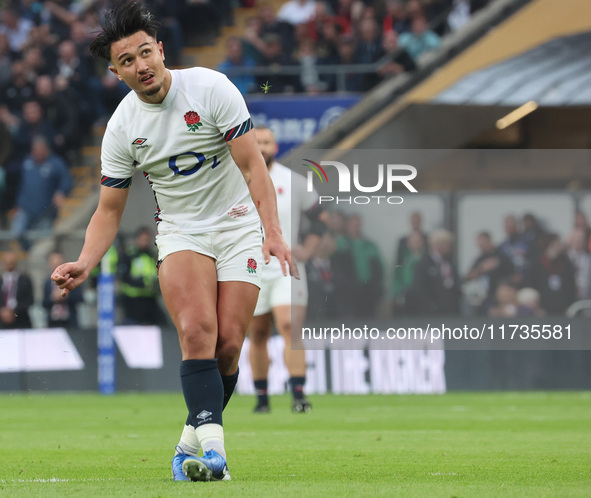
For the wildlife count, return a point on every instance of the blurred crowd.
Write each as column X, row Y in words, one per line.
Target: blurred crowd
column 532, row 272
column 52, row 92
column 305, row 34
column 132, row 261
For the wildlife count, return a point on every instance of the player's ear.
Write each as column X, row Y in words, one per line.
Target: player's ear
column 161, row 49
column 115, row 72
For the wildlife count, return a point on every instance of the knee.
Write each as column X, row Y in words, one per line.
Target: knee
column 227, row 355
column 258, row 337
column 284, row 328
column 197, row 335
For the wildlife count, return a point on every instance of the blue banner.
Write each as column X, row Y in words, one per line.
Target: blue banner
column 296, row 119
column 106, row 343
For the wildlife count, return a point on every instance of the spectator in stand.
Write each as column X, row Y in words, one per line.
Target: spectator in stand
column 5, row 62
column 16, row 295
column 322, row 302
column 41, row 38
column 366, row 273
column 15, row 28
column 62, row 116
column 35, row 66
column 309, row 78
column 416, row 226
column 171, row 31
column 395, row 18
column 270, row 24
column 297, row 11
column 59, row 15
column 81, row 40
column 435, row 289
column 581, row 260
column 253, row 44
column 414, row 9
column 368, row 49
column 19, row 90
column 235, row 58
column 87, row 87
column 505, row 304
column 273, row 58
column 396, row 59
column 528, row 301
column 553, row 276
column 489, row 268
column 61, row 311
column 404, row 273
column 322, row 19
column 420, row 39
column 516, row 249
column 533, row 236
column 139, row 288
column 582, row 223
column 353, row 82
column 45, row 181
column 31, row 125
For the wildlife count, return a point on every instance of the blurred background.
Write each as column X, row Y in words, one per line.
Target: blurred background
column 506, row 82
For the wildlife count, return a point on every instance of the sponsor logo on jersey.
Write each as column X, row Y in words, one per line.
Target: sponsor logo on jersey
column 140, row 143
column 251, row 265
column 193, row 120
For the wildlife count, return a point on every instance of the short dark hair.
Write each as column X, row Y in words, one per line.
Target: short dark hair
column 122, row 21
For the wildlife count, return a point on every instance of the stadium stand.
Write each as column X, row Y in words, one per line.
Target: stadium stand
column 407, row 98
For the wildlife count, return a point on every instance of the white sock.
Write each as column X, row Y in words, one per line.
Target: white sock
column 189, row 442
column 211, row 437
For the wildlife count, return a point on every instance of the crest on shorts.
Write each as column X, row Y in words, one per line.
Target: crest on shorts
column 193, row 120
column 251, row 266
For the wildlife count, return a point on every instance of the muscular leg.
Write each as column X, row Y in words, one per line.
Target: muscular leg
column 188, row 281
column 290, row 319
column 236, row 303
column 259, row 333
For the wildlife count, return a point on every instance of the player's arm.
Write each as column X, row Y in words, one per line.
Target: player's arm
column 100, row 234
column 246, row 154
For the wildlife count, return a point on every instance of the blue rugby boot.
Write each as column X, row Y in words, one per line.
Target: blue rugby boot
column 177, row 465
column 210, row 467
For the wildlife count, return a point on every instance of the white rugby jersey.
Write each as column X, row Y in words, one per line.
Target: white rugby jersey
column 293, row 199
column 180, row 145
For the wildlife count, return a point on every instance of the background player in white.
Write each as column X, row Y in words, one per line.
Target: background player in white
column 280, row 301
column 189, row 131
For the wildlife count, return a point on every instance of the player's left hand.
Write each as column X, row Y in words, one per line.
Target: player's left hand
column 275, row 245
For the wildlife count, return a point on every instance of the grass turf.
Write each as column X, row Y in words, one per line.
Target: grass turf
column 486, row 444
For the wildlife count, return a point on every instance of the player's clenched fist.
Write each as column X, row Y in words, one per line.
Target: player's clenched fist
column 69, row 276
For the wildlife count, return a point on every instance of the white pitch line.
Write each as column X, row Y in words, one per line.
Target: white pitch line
column 56, row 479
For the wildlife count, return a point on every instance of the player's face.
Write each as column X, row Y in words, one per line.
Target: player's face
column 138, row 60
column 267, row 145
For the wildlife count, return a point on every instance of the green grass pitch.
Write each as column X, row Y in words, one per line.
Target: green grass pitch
column 487, row 444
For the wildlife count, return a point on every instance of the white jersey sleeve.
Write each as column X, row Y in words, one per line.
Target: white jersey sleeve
column 229, row 109
column 116, row 162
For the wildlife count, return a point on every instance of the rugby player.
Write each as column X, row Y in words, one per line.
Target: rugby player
column 189, row 131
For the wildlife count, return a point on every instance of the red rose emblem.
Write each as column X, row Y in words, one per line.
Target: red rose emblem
column 192, row 117
column 252, row 264
column 193, row 120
